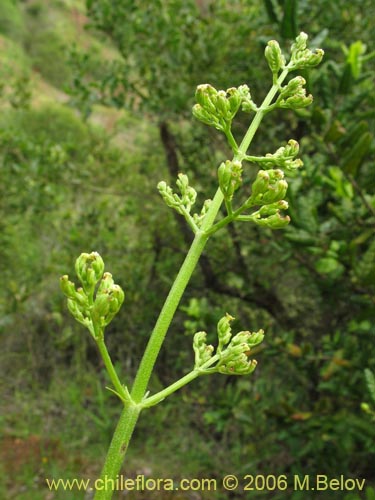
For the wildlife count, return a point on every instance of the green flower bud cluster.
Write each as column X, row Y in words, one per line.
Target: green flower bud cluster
column 232, row 353
column 284, row 157
column 235, row 358
column 109, row 299
column 268, row 191
column 203, row 352
column 247, row 104
column 268, row 187
column 293, row 95
column 224, row 332
column 182, row 204
column 219, row 107
column 95, row 313
column 230, row 179
column 302, row 57
column 89, row 268
column 270, row 216
column 274, row 56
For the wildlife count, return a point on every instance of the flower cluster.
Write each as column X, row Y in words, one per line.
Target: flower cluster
column 95, row 309
column 301, row 56
column 219, row 107
column 232, row 356
column 229, row 174
column 184, row 201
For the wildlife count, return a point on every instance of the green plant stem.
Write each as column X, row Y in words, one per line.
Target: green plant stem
column 226, row 220
column 131, row 413
column 116, row 452
column 111, row 370
column 172, row 301
column 259, row 116
column 159, row 396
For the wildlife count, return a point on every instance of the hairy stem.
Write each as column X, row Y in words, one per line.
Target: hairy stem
column 111, row 370
column 172, row 302
column 116, row 453
column 159, row 396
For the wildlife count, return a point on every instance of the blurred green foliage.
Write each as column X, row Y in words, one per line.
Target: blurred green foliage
column 73, row 183
column 11, row 20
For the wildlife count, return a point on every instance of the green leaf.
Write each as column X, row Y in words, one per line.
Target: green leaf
column 288, row 27
column 330, row 266
column 354, row 158
column 271, row 11
column 370, row 381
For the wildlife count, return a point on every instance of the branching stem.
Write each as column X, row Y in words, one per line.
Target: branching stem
column 132, row 410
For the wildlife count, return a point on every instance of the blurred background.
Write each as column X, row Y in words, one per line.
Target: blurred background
column 95, row 105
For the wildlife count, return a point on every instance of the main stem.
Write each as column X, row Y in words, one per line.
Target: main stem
column 130, row 414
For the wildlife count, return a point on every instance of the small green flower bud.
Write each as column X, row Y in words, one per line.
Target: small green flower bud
column 106, row 283
column 101, row 308
column 274, row 56
column 162, row 186
column 260, row 185
column 170, row 199
column 205, row 96
column 224, row 331
column 204, row 116
column 234, row 100
column 282, row 205
column 68, row 288
column 291, row 149
column 117, row 298
column 203, row 352
column 275, row 192
column 267, row 210
column 234, row 351
column 230, row 179
column 297, row 101
column 292, row 165
column 240, row 366
column 314, row 58
column 255, row 338
column 199, row 339
column 188, row 193
column 247, row 103
column 295, row 85
column 89, row 268
column 239, row 338
column 300, row 43
column 277, row 221
column 107, row 305
column 222, row 105
column 78, row 313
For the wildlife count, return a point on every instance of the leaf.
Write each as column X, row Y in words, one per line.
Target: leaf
column 355, row 58
column 370, row 382
column 329, row 265
column 354, row 158
column 271, row 11
column 365, row 268
column 288, row 27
